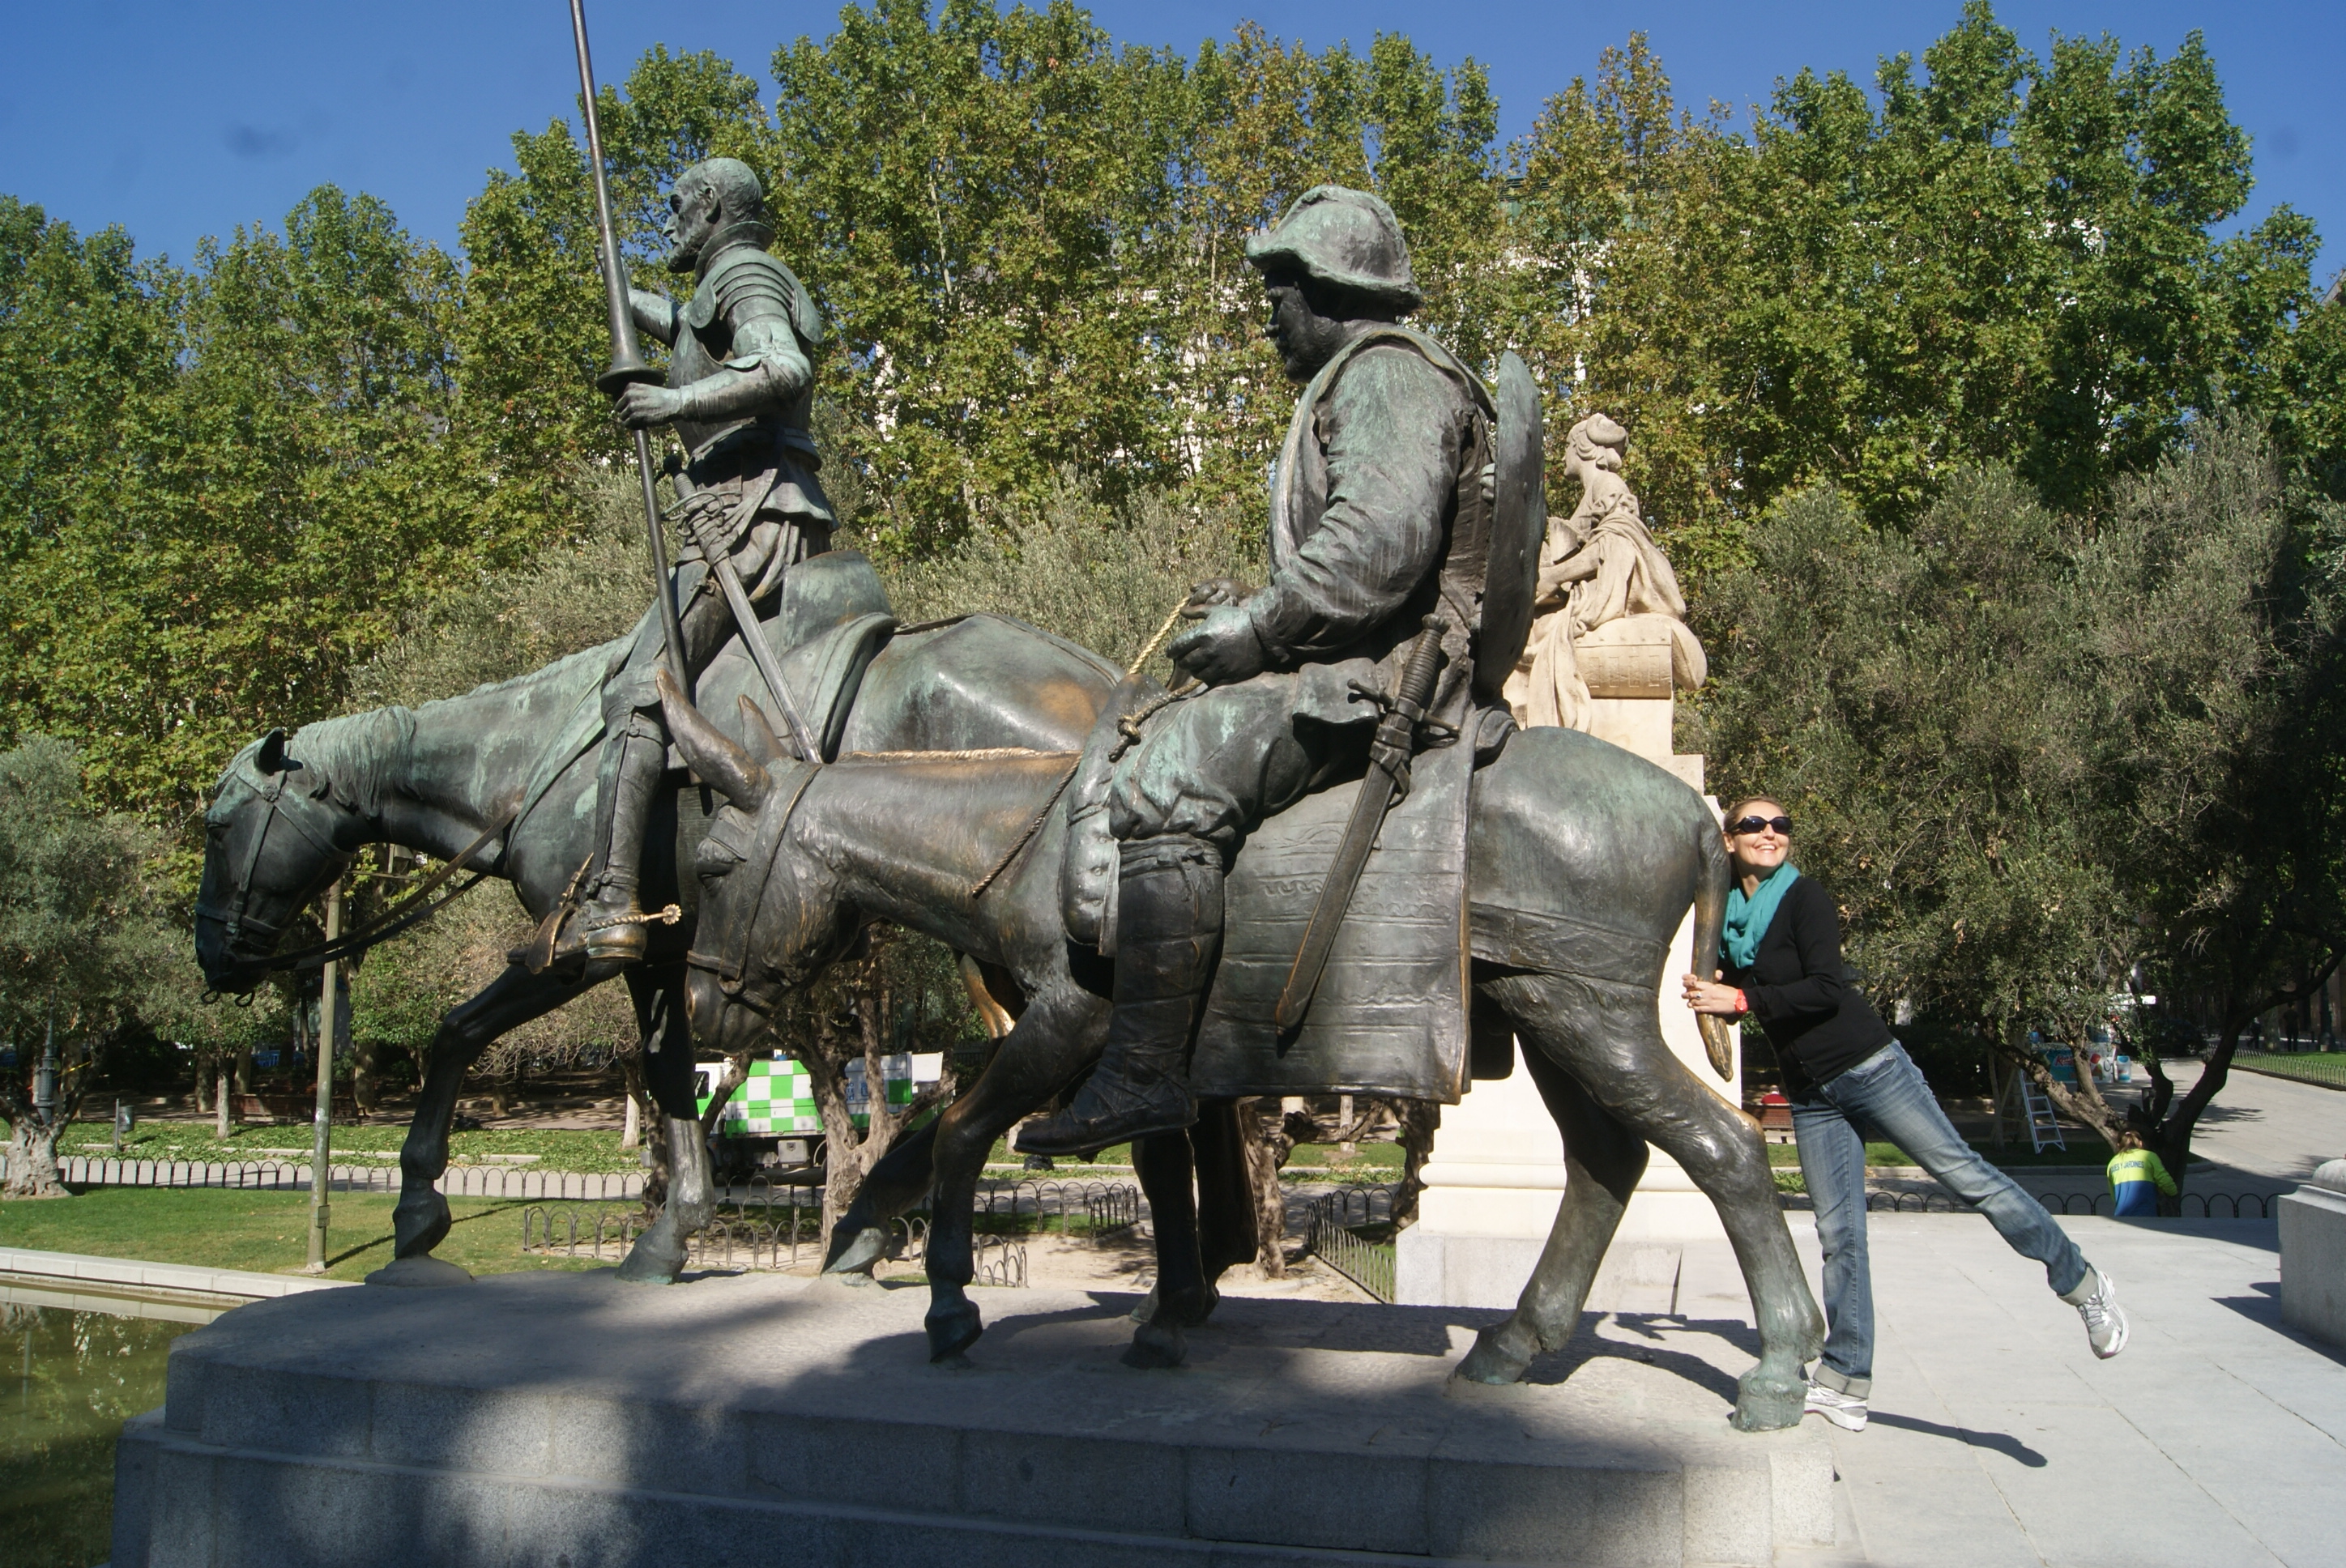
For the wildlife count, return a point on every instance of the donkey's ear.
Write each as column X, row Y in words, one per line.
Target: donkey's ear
column 270, row 758
column 711, row 752
column 756, row 733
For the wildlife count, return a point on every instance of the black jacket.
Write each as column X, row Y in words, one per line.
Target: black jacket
column 1800, row 993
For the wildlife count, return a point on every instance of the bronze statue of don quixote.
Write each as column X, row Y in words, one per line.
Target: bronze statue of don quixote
column 1327, row 861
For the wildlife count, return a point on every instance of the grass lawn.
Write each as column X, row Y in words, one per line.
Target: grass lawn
column 555, row 1151
column 266, row 1232
column 2328, row 1067
column 1114, row 1164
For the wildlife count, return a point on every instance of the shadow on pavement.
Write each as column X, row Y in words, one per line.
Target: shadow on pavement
column 2011, row 1447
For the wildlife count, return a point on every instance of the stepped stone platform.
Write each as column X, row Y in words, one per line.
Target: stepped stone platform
column 565, row 1420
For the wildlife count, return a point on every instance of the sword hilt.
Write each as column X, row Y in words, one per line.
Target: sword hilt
column 1405, row 707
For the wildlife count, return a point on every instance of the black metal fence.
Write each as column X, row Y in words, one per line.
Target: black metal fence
column 1332, row 1233
column 265, row 1175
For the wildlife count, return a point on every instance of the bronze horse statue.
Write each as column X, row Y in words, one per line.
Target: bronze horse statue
column 800, row 859
column 289, row 814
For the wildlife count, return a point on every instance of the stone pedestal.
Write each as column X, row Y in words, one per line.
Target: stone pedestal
column 2313, row 1255
column 1497, row 1171
column 567, row 1419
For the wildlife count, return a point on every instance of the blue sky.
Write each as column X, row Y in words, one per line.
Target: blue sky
column 179, row 118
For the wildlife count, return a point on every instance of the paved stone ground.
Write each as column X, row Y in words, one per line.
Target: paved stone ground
column 2218, row 1437
column 2266, row 1130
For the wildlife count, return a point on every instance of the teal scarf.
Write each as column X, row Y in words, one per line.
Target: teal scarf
column 1748, row 918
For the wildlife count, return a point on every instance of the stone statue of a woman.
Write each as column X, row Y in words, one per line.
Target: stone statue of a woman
column 1596, row 566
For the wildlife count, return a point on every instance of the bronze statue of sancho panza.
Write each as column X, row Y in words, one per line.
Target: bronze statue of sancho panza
column 740, row 383
column 1379, row 520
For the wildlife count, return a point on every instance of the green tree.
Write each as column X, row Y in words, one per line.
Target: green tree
column 261, row 516
column 80, row 944
column 1999, row 258
column 2036, row 758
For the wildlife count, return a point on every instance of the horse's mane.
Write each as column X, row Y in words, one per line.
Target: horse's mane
column 559, row 669
column 352, row 756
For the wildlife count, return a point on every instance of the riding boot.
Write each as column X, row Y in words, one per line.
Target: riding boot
column 607, row 929
column 1169, row 929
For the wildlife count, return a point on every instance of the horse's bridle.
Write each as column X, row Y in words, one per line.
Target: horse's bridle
column 237, row 917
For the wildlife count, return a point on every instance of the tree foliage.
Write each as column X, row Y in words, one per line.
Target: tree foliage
column 2043, row 761
column 1913, row 371
column 81, row 945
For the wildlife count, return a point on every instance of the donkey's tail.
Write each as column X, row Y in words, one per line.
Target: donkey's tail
column 1710, row 922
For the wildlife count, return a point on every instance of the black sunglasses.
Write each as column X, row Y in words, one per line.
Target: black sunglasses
column 1753, row 824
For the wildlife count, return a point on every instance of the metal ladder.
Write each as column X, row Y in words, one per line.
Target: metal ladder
column 2044, row 1127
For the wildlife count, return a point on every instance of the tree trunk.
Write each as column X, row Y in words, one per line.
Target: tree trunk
column 224, row 1099
column 363, row 1097
column 1267, row 1149
column 851, row 1156
column 1419, row 1121
column 631, row 1089
column 33, row 1159
column 2083, row 1103
column 2172, row 1140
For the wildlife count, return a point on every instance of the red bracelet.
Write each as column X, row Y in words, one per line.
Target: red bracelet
column 1740, row 1005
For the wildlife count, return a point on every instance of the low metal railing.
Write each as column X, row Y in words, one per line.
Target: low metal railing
column 1332, row 1233
column 457, row 1181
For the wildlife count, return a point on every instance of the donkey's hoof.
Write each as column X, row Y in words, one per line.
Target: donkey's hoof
column 657, row 1258
column 856, row 1252
column 1499, row 1357
column 1767, row 1401
column 952, row 1328
column 1157, row 1344
column 422, row 1269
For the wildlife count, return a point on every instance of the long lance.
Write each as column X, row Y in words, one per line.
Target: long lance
column 627, row 365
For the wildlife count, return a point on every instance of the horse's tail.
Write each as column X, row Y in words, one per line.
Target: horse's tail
column 1710, row 922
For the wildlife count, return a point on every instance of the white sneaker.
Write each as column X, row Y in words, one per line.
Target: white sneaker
column 1842, row 1410
column 2106, row 1321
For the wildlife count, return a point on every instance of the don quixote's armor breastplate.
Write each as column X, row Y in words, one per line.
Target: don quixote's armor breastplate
column 743, row 278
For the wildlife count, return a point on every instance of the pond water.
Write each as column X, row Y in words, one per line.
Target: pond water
column 71, row 1378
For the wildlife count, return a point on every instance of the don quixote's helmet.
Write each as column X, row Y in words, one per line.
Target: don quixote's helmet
column 1347, row 239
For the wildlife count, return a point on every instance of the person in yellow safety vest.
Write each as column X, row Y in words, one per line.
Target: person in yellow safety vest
column 2137, row 1176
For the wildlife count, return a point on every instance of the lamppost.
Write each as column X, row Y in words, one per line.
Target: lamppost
column 329, row 1006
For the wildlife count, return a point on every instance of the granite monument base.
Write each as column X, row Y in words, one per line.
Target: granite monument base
column 564, row 1419
column 2314, row 1254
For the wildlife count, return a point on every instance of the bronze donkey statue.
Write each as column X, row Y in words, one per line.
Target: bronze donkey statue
column 800, row 859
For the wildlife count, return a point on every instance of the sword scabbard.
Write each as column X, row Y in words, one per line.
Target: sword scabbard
column 1386, row 782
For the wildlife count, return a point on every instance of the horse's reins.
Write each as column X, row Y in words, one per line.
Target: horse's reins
column 413, row 909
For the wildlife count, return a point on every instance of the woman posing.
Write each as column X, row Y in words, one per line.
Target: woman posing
column 1850, row 1080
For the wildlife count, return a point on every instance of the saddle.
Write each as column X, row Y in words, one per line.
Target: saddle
column 1391, row 1013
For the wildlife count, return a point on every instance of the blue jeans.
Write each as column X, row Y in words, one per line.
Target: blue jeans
column 1884, row 1098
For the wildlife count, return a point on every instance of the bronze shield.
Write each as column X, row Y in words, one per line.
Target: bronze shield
column 1518, row 522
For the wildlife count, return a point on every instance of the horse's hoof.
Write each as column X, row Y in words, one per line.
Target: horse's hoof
column 1157, row 1344
column 1498, row 1357
column 657, row 1258
column 419, row 1223
column 422, row 1269
column 857, row 1252
column 953, row 1329
column 1767, row 1401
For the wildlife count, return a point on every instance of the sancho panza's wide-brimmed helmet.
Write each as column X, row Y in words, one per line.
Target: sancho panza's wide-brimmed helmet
column 1347, row 238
